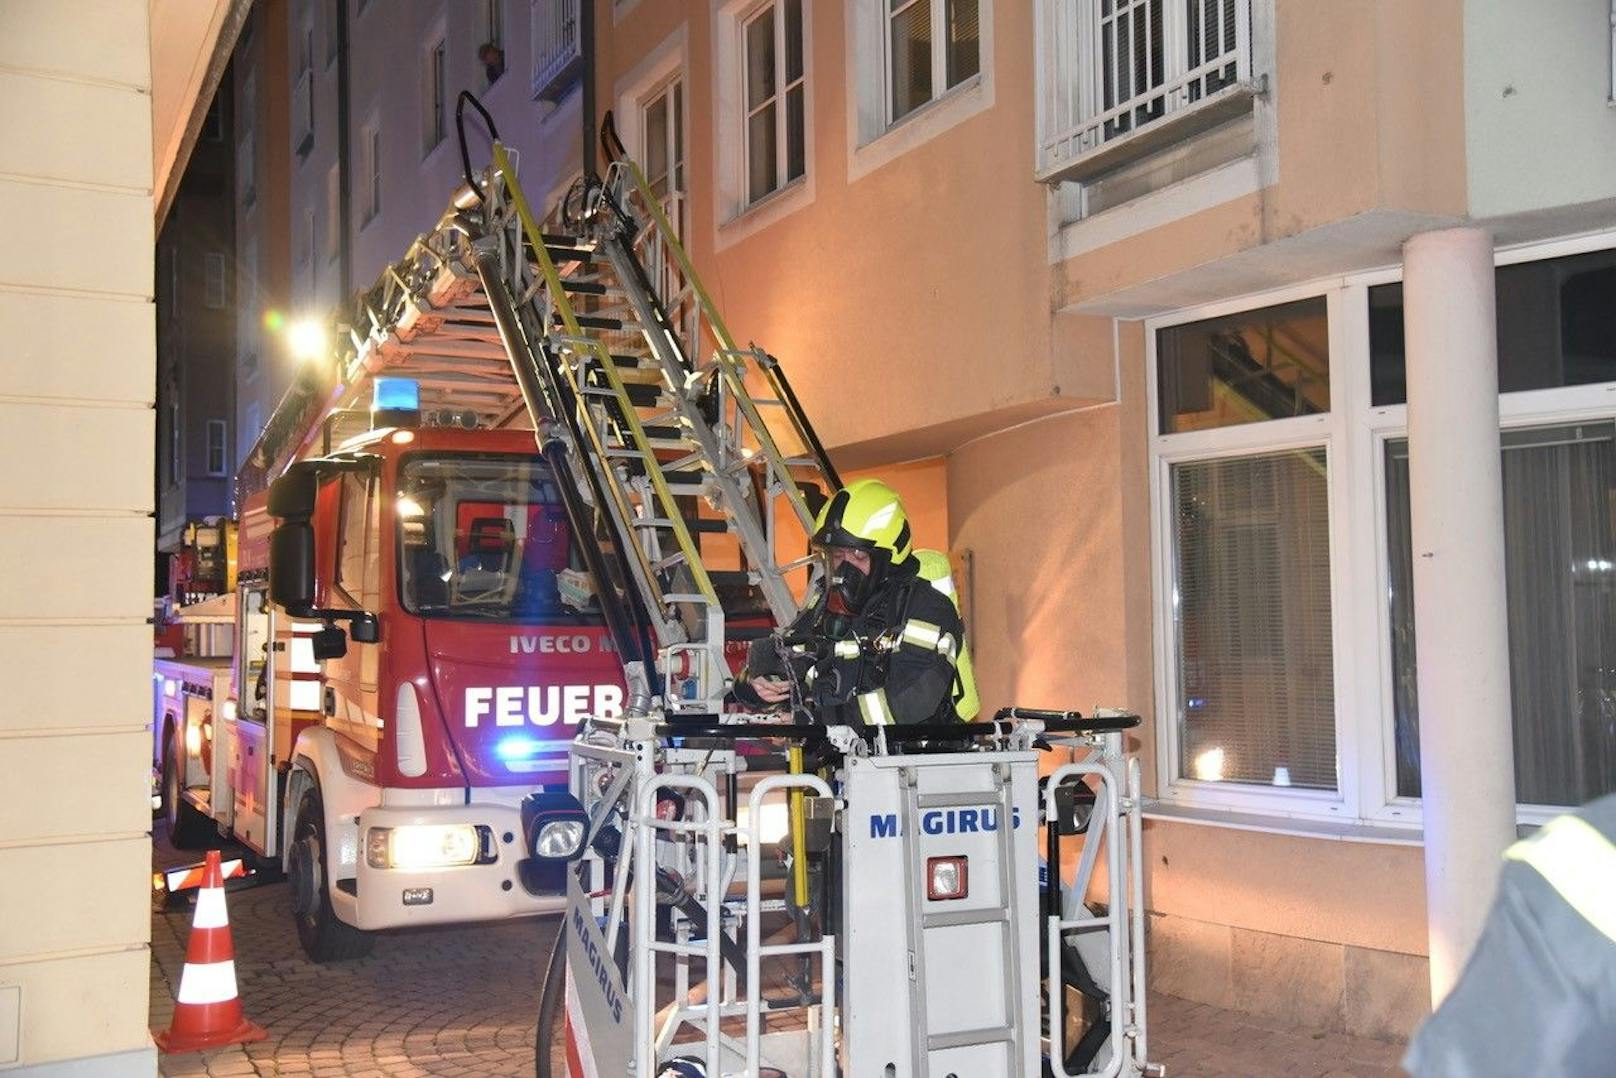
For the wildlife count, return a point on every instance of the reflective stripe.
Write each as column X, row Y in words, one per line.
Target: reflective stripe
column 923, row 633
column 210, row 912
column 1579, row 863
column 847, row 649
column 873, row 706
column 207, row 982
column 931, row 637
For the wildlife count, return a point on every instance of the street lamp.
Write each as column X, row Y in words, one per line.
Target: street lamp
column 308, row 340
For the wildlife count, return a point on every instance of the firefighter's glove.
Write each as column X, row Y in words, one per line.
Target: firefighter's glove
column 834, row 679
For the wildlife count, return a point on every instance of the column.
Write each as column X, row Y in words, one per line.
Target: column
column 1457, row 518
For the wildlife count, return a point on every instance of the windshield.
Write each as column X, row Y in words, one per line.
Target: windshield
column 487, row 538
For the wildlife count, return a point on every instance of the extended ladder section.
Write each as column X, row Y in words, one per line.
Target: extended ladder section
column 623, row 354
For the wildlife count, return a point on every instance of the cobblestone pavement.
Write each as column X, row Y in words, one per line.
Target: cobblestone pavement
column 463, row 1001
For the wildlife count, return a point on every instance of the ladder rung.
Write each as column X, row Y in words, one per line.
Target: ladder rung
column 611, row 325
column 694, row 525
column 564, row 255
column 730, row 577
column 583, row 288
column 965, row 1037
column 682, row 597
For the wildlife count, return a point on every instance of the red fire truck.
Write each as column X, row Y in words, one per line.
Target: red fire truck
column 380, row 734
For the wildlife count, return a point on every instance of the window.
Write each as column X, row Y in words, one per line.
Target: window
column 370, row 172
column 487, row 538
column 557, row 59
column 218, row 459
column 491, row 48
column 1245, row 512
column 333, row 212
column 662, row 138
column 1245, row 368
column 932, row 46
column 1113, row 67
column 1560, row 569
column 1556, row 327
column 214, row 285
column 434, row 85
column 246, row 163
column 359, row 555
column 776, row 152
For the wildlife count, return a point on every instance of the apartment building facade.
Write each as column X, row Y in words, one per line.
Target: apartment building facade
column 1113, row 291
column 196, row 335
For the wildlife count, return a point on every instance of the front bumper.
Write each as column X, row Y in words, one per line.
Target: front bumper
column 491, row 891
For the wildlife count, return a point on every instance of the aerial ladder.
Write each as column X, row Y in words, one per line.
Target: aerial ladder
column 903, row 929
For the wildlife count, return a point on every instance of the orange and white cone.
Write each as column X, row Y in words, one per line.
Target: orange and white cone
column 207, row 1012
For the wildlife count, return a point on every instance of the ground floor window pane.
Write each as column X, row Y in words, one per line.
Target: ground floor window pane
column 1251, row 612
column 1560, row 570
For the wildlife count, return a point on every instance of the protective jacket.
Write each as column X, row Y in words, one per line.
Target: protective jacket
column 1538, row 996
column 891, row 662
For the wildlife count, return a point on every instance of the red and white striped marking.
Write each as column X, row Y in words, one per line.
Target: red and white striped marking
column 183, row 879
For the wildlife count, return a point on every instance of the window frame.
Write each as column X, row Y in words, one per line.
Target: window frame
column 1366, row 804
column 939, row 54
column 434, row 74
column 214, row 271
column 873, row 138
column 779, row 98
column 736, row 215
column 370, row 169
column 222, row 429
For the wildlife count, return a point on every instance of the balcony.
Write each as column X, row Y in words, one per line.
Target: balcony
column 1120, row 79
column 557, row 58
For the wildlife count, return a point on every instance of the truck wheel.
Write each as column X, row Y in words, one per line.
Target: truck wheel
column 188, row 828
column 324, row 938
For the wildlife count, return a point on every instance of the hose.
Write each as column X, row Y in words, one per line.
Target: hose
column 550, row 998
column 460, row 136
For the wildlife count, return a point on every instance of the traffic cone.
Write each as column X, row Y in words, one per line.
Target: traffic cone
column 207, row 1013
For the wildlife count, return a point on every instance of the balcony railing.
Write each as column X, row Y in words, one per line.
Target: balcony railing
column 1113, row 68
column 557, row 58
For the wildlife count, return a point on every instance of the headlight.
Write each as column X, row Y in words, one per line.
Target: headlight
column 559, row 839
column 419, row 846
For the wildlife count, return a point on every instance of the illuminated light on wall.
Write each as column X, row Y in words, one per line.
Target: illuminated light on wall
column 308, row 339
column 1209, row 766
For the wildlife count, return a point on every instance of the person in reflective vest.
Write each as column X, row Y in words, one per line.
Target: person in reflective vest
column 881, row 639
column 1538, row 996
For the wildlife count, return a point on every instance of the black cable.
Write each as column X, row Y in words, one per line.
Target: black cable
column 550, row 997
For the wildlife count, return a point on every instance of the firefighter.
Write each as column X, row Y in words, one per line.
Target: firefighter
column 1538, row 996
column 877, row 643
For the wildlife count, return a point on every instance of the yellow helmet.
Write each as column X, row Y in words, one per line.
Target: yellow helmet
column 864, row 515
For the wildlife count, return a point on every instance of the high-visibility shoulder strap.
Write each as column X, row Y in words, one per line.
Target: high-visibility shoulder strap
column 1579, row 863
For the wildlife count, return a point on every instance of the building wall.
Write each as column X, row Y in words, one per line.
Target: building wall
column 1532, row 95
column 76, row 191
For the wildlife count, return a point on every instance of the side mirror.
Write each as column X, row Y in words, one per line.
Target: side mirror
column 291, row 565
column 329, row 643
column 364, row 628
column 291, row 497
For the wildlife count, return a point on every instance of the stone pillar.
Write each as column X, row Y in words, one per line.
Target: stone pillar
column 1457, row 517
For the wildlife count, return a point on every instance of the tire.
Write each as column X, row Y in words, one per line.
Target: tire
column 188, row 827
column 551, row 1031
column 323, row 936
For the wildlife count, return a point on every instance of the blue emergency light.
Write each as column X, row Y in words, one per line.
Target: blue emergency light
column 397, row 394
column 518, row 747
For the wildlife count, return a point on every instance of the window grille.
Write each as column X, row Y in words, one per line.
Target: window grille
column 1112, row 67
column 556, row 55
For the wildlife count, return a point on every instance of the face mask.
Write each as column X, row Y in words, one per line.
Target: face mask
column 849, row 587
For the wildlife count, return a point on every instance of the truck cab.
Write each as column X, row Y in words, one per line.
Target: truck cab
column 418, row 655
